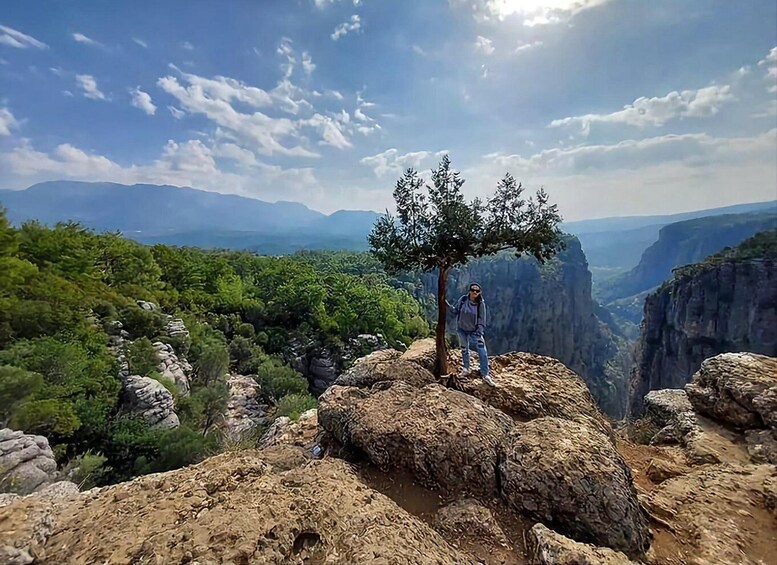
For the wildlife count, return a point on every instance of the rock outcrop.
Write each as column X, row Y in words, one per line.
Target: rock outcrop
column 283, row 431
column 738, row 389
column 717, row 307
column 468, row 518
column 149, row 399
column 569, row 476
column 322, row 364
column 446, row 438
column 725, row 513
column 546, row 547
column 244, row 413
column 563, row 471
column 171, row 367
column 26, row 462
column 547, row 310
column 233, row 508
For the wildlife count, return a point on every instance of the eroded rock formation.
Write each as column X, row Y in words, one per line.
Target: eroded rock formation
column 26, row 462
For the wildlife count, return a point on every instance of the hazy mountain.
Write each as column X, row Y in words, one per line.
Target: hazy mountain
column 618, row 243
column 187, row 216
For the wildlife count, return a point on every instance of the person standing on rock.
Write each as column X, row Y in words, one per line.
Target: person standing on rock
column 470, row 312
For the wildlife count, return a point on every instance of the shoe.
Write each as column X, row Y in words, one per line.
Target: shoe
column 465, row 373
column 489, row 381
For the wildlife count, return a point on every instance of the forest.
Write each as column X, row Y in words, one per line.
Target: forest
column 63, row 288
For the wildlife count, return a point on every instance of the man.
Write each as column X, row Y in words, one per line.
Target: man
column 470, row 312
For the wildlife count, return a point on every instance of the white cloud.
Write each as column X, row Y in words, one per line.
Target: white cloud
column 188, row 163
column 390, row 162
column 771, row 57
column 770, row 61
column 142, row 101
column 307, row 63
column 7, row 121
column 81, row 38
column 89, row 87
column 19, row 40
column 140, row 42
column 186, row 45
column 354, row 24
column 484, row 45
column 321, row 4
column 361, row 116
column 211, row 98
column 177, row 114
column 658, row 111
column 330, row 130
column 527, row 46
column 530, row 12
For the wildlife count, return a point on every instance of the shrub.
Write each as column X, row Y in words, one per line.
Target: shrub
column 16, row 385
column 276, row 381
column 142, row 357
column 293, row 405
column 88, row 470
column 139, row 322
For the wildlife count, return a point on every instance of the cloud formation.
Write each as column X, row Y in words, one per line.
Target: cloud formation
column 81, row 38
column 530, row 12
column 142, row 101
column 19, row 40
column 88, row 85
column 391, row 163
column 7, row 122
column 484, row 45
column 354, row 24
column 658, row 111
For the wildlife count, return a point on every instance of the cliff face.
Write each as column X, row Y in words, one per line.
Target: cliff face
column 548, row 310
column 725, row 307
column 684, row 243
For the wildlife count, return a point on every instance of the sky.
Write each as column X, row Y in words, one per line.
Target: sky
column 615, row 107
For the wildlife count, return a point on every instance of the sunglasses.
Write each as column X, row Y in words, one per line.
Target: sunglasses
column 475, row 290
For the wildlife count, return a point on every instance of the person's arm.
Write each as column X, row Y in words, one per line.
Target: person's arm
column 452, row 307
column 481, row 327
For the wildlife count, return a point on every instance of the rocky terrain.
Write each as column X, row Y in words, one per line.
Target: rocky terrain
column 548, row 310
column 719, row 306
column 417, row 472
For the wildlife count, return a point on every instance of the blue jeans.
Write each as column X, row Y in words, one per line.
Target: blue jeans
column 465, row 340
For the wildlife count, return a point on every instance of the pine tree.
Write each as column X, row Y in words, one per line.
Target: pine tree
column 436, row 229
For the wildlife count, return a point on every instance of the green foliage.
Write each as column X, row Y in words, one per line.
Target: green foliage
column 293, row 405
column 15, row 386
column 213, row 399
column 89, row 470
column 142, row 357
column 212, row 363
column 277, row 380
column 141, row 323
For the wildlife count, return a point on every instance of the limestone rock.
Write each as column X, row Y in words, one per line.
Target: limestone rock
column 446, row 438
column 235, row 508
column 739, row 389
column 283, row 431
column 467, row 518
column 149, row 306
column 176, row 328
column 725, row 511
column 532, row 386
column 174, row 368
column 571, row 477
column 422, row 352
column 243, row 410
column 26, row 462
column 383, row 366
column 150, row 400
column 762, row 445
column 547, row 547
column 703, row 441
column 660, row 470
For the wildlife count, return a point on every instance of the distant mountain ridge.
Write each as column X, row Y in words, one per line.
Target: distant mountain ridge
column 162, row 213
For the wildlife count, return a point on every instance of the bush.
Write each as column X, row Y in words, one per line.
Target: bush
column 142, row 357
column 139, row 322
column 16, row 385
column 276, row 381
column 46, row 417
column 88, row 470
column 293, row 405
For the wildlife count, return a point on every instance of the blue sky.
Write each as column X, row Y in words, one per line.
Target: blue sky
column 617, row 107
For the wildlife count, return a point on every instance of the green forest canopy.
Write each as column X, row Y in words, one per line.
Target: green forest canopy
column 63, row 288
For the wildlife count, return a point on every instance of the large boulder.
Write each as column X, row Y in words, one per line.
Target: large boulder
column 284, row 431
column 546, row 547
column 571, row 477
column 723, row 513
column 385, row 365
column 532, row 386
column 739, row 389
column 149, row 399
column 422, row 352
column 174, row 368
column 244, row 412
column 446, row 438
column 233, row 508
column 469, row 519
column 26, row 462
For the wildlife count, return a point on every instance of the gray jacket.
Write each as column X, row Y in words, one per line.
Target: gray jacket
column 480, row 326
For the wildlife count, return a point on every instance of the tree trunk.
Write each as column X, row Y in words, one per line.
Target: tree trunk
column 441, row 366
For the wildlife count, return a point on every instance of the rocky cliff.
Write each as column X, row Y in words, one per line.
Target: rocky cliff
column 548, row 310
column 727, row 304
